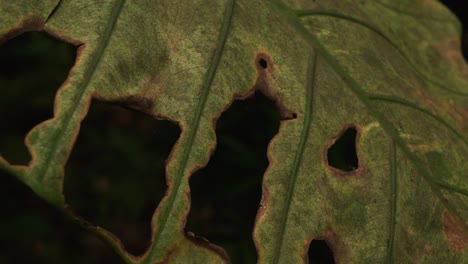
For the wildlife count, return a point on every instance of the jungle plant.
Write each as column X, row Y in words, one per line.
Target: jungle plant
column 370, row 153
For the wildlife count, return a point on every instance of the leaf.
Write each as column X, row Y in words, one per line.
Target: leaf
column 392, row 70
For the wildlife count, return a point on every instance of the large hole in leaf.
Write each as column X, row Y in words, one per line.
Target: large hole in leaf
column 115, row 175
column 342, row 154
column 32, row 68
column 226, row 193
column 32, row 231
column 320, row 252
column 460, row 9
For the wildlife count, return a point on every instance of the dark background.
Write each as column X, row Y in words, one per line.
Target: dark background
column 115, row 175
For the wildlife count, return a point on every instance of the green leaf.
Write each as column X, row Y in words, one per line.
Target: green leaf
column 390, row 69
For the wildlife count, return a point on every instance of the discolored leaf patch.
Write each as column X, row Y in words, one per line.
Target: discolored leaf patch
column 455, row 232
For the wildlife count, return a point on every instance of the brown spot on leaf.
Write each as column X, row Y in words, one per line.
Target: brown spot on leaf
column 455, row 232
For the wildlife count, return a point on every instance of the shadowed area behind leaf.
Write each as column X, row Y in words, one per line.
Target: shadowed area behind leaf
column 31, row 231
column 226, row 193
column 115, row 176
column 320, row 253
column 32, row 68
column 342, row 153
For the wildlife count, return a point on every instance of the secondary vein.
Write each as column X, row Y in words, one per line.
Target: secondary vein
column 393, row 202
column 421, row 75
column 166, row 210
column 99, row 52
column 299, row 153
column 403, row 102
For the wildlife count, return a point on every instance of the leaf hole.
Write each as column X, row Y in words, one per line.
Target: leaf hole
column 342, row 154
column 320, row 253
column 263, row 63
column 115, row 177
column 33, row 65
column 227, row 192
column 32, row 231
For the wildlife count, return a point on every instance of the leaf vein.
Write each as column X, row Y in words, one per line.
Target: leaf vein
column 413, row 15
column 116, row 10
column 393, row 202
column 406, row 103
column 299, row 153
column 364, row 98
column 422, row 76
column 194, row 125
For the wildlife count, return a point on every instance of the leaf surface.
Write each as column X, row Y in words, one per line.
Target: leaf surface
column 391, row 69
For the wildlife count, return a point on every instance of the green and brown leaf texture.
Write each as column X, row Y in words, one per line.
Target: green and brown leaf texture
column 382, row 84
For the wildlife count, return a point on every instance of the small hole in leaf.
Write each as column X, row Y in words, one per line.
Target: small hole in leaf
column 32, row 231
column 226, row 193
column 342, row 154
column 460, row 9
column 32, row 68
column 263, row 63
column 115, row 175
column 320, row 252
